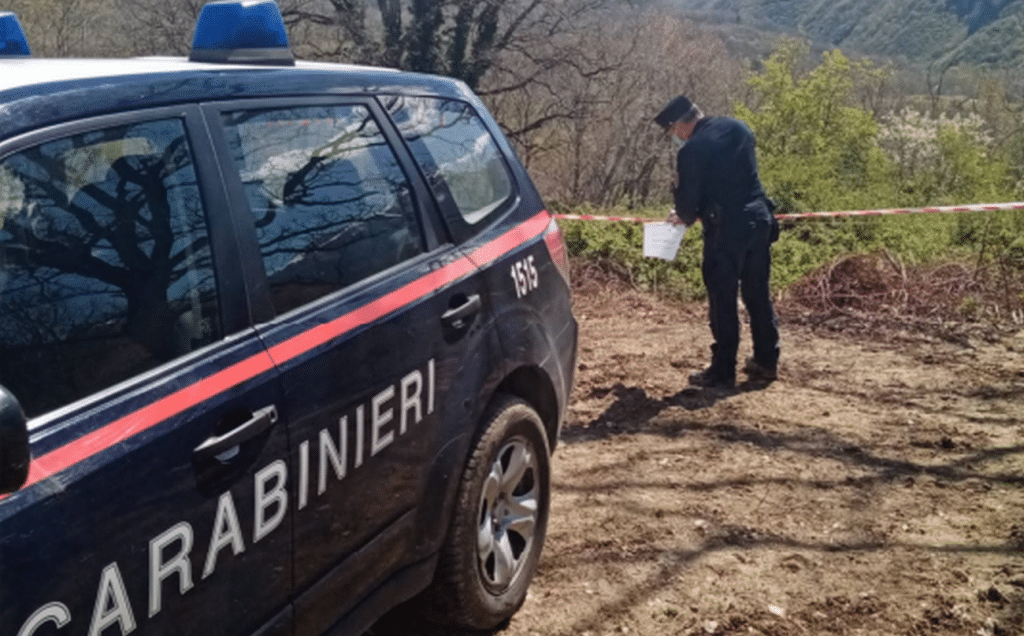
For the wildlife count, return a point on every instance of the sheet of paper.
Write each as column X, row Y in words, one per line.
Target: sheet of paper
column 662, row 240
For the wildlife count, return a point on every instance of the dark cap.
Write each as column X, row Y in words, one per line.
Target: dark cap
column 675, row 110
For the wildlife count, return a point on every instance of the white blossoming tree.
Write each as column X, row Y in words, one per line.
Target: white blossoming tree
column 945, row 160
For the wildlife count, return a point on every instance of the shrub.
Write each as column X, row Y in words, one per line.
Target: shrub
column 989, row 245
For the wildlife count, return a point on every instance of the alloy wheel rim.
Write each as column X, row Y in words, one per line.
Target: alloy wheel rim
column 509, row 505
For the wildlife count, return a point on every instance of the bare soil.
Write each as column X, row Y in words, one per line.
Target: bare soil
column 877, row 487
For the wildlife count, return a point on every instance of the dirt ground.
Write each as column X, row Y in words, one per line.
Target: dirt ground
column 877, row 487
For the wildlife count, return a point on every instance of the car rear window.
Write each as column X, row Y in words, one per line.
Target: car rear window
column 456, row 152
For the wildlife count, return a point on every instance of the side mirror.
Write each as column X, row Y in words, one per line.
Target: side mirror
column 14, row 455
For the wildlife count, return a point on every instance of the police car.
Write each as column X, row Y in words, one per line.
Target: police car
column 282, row 344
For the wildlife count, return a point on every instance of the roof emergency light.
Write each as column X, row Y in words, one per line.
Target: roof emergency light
column 241, row 31
column 12, row 38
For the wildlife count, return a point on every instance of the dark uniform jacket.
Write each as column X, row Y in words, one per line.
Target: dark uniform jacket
column 717, row 176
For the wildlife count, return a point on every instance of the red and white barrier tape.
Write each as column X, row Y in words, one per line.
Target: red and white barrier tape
column 591, row 217
column 979, row 207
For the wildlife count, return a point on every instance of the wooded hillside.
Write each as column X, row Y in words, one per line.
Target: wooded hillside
column 981, row 32
column 575, row 84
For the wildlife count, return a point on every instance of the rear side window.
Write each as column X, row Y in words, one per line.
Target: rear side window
column 330, row 202
column 105, row 264
column 456, row 152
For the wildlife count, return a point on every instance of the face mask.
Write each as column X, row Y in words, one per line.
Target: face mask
column 677, row 143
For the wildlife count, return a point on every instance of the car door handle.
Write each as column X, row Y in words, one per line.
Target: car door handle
column 456, row 316
column 218, row 445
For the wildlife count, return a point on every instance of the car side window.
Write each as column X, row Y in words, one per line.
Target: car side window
column 105, row 262
column 330, row 202
column 456, row 152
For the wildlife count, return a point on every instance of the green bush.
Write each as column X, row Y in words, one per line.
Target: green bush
column 804, row 246
column 616, row 247
column 819, row 150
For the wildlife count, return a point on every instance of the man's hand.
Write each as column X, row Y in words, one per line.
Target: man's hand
column 674, row 219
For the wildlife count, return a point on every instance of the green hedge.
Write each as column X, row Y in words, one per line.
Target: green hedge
column 804, row 245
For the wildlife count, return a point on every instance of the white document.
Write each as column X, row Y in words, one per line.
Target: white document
column 662, row 240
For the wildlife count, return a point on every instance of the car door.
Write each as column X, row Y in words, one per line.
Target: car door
column 157, row 498
column 495, row 213
column 375, row 330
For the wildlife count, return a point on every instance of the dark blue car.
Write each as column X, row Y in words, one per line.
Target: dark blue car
column 282, row 345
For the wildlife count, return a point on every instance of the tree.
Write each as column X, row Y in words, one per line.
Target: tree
column 999, row 100
column 459, row 38
column 585, row 128
column 819, row 151
column 945, row 160
column 159, row 27
column 65, row 28
column 816, row 151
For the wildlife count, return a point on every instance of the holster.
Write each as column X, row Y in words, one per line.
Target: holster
column 773, row 230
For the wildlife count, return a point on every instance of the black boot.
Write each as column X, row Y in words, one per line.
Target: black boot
column 711, row 378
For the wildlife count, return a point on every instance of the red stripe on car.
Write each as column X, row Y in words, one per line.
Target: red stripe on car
column 124, row 428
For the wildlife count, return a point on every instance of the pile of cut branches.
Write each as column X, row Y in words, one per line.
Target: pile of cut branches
column 878, row 293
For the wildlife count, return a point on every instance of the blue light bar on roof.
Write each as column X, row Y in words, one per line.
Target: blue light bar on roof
column 12, row 38
column 241, row 31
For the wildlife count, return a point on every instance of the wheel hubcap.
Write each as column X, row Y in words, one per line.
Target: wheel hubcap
column 508, row 514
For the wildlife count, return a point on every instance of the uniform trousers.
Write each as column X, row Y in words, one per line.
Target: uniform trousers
column 737, row 258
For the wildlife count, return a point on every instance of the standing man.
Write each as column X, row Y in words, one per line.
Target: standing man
column 717, row 182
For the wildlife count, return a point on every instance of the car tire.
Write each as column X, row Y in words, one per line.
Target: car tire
column 497, row 530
